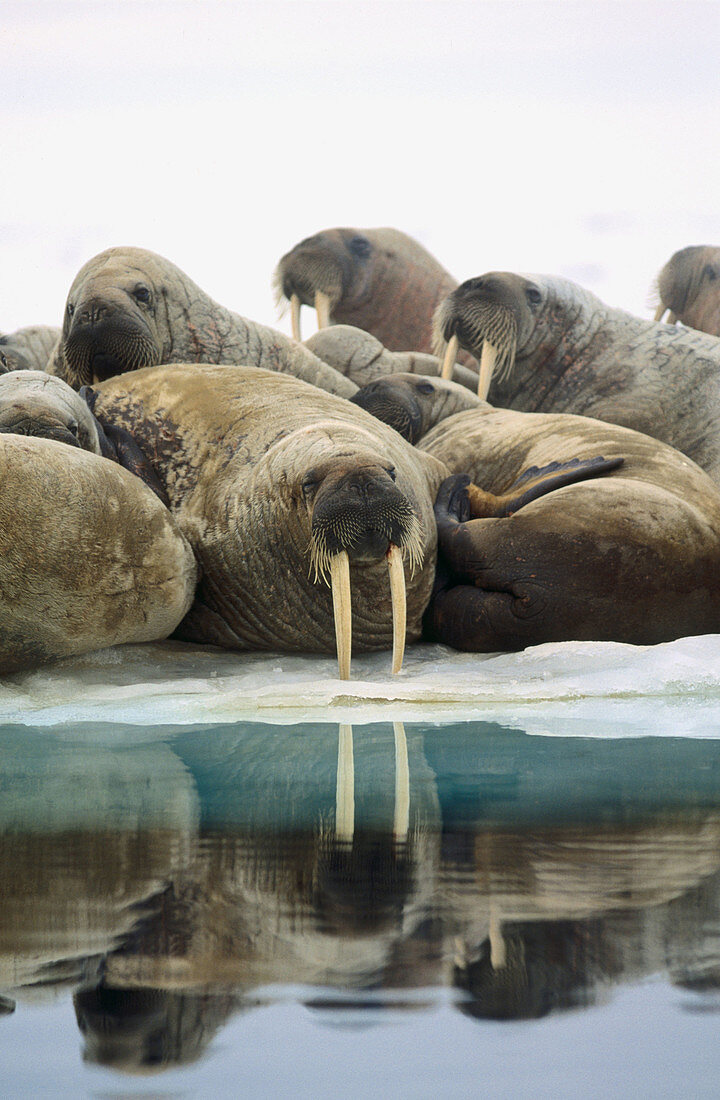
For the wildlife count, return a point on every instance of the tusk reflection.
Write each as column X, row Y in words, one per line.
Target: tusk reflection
column 295, row 306
column 342, row 612
column 401, row 820
column 399, row 605
column 345, row 789
column 450, row 356
column 487, row 365
column 322, row 308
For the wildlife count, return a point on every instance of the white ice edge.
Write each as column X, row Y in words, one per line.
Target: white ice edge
column 599, row 689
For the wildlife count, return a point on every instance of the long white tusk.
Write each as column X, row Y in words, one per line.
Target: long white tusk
column 342, row 613
column 487, row 365
column 672, row 318
column 345, row 788
column 399, row 605
column 450, row 356
column 322, row 307
column 295, row 306
column 659, row 312
column 401, row 820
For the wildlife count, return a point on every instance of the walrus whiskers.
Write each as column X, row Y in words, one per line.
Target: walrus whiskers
column 295, row 307
column 342, row 613
column 396, row 573
column 322, row 308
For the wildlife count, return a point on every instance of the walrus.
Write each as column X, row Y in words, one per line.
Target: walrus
column 28, row 348
column 632, row 556
column 361, row 357
column 547, row 345
column 35, row 403
column 279, row 487
column 89, row 557
column 129, row 308
column 688, row 287
column 380, row 280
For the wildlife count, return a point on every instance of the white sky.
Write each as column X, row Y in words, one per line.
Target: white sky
column 578, row 139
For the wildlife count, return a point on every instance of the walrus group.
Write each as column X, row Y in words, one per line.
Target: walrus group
column 490, row 465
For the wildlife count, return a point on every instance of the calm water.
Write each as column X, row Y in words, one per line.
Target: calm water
column 414, row 909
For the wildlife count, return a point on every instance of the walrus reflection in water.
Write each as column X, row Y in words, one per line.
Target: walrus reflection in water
column 546, row 345
column 633, row 556
column 689, row 289
column 129, row 308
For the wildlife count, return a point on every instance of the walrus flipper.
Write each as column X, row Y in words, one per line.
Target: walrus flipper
column 536, row 482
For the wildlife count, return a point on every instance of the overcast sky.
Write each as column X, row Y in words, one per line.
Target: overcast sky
column 577, row 139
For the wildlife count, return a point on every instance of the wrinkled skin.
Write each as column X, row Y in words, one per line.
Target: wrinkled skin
column 129, row 308
column 379, row 280
column 35, row 403
column 362, row 358
column 267, row 477
column 28, row 348
column 573, row 354
column 89, row 558
column 689, row 286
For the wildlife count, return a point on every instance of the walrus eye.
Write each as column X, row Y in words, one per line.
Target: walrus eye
column 390, row 471
column 141, row 293
column 70, row 309
column 425, row 387
column 309, row 484
column 3, row 360
column 360, row 246
column 533, row 295
column 710, row 272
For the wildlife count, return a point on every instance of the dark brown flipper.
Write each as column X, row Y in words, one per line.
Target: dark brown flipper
column 119, row 446
column 536, row 482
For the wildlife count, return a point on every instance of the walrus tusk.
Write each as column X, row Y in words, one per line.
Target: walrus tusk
column 659, row 312
column 295, row 306
column 322, row 308
column 345, row 786
column 498, row 953
column 401, row 819
column 399, row 605
column 487, row 365
column 450, row 356
column 340, row 582
column 672, row 318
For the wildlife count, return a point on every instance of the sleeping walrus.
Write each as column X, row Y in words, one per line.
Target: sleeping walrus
column 129, row 308
column 633, row 556
column 28, row 348
column 547, row 345
column 89, row 557
column 689, row 288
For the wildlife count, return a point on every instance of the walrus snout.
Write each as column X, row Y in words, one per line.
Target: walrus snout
column 105, row 338
column 483, row 315
column 363, row 512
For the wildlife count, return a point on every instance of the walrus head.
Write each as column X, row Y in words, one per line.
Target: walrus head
column 401, row 401
column 323, row 270
column 359, row 515
column 35, row 403
column 11, row 357
column 689, row 287
column 109, row 325
column 489, row 316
